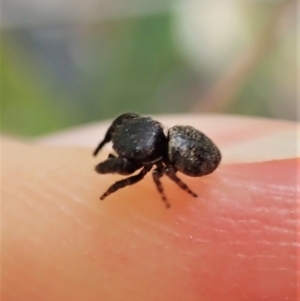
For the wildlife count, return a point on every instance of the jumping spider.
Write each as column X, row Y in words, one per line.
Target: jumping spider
column 140, row 143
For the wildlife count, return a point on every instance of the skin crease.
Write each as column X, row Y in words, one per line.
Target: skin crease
column 239, row 240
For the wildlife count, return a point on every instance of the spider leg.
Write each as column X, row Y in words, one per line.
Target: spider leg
column 118, row 165
column 171, row 173
column 128, row 181
column 112, row 128
column 157, row 173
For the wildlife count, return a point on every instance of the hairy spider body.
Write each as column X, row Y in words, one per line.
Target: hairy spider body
column 140, row 139
column 140, row 143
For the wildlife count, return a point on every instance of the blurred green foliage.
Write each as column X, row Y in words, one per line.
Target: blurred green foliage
column 27, row 106
column 127, row 62
column 55, row 76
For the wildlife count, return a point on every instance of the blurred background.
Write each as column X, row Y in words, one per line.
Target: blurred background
column 68, row 62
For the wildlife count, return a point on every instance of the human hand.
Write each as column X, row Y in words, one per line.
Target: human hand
column 237, row 241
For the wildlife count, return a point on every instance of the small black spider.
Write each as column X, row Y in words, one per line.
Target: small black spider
column 140, row 143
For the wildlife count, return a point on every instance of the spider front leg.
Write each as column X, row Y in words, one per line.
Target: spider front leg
column 112, row 128
column 118, row 165
column 128, row 181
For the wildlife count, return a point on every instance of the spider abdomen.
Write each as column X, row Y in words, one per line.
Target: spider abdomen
column 191, row 152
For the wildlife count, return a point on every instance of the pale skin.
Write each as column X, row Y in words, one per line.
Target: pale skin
column 238, row 240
